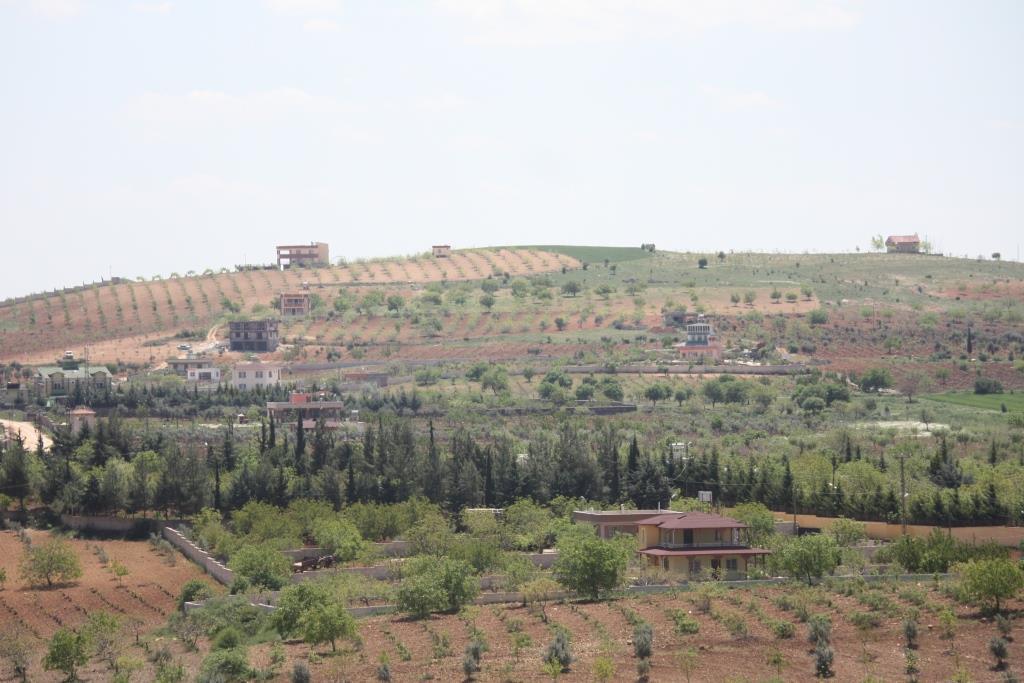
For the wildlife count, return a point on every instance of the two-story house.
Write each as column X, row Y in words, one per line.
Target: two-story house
column 694, row 544
column 697, row 543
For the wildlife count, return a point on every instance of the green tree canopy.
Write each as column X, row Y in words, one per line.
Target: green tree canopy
column 589, row 565
column 53, row 561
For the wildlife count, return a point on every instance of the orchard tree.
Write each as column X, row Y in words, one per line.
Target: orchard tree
column 572, row 288
column 989, row 582
column 67, row 651
column 340, row 538
column 589, row 565
column 54, row 561
column 657, row 392
column 488, row 301
column 327, row 623
column 262, row 565
column 810, row 557
column 702, row 263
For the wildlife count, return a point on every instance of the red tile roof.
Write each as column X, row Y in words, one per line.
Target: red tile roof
column 664, row 552
column 903, row 239
column 692, row 520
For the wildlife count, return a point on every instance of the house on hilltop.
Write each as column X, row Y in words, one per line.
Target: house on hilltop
column 441, row 250
column 312, row 254
column 693, row 544
column 903, row 244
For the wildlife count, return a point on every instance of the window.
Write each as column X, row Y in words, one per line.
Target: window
column 694, row 566
column 241, row 374
column 731, row 565
column 259, row 374
column 664, row 563
column 241, row 386
column 718, row 534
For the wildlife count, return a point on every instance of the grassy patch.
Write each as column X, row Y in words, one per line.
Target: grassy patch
column 594, row 254
column 1013, row 402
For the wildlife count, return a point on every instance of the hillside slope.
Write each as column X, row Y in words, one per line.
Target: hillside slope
column 118, row 321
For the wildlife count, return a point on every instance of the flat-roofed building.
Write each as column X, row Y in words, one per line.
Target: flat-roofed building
column 248, row 376
column 441, row 250
column 205, row 375
column 181, row 366
column 295, row 304
column 312, row 254
column 258, row 336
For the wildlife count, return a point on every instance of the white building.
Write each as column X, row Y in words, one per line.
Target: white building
column 202, row 375
column 251, row 375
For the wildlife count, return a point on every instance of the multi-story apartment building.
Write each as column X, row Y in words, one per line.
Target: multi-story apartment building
column 312, row 254
column 259, row 336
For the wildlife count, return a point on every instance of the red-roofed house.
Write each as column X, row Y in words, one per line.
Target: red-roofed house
column 690, row 543
column 907, row 244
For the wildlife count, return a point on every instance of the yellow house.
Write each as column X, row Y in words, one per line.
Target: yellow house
column 697, row 544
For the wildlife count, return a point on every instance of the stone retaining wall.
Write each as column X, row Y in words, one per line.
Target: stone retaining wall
column 210, row 565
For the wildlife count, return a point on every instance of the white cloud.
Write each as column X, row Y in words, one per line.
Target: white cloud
column 153, row 7
column 321, row 25
column 736, row 100
column 217, row 108
column 304, row 6
column 580, row 21
column 444, row 102
column 56, row 9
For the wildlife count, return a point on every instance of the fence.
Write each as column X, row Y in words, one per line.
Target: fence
column 1010, row 536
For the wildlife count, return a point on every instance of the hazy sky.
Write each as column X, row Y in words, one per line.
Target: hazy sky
column 144, row 137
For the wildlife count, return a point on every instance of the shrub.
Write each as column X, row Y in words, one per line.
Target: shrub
column 783, row 629
column 1004, row 624
column 684, row 623
column 643, row 640
column 987, row 385
column 226, row 639
column 471, row 658
column 224, row 666
column 192, row 591
column 300, row 673
column 384, row 668
column 910, row 632
column 559, row 650
column 823, row 657
column 819, row 629
column 999, row 649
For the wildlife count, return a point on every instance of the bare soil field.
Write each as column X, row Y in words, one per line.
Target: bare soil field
column 598, row 629
column 146, row 596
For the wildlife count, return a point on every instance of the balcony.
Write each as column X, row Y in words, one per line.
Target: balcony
column 707, row 545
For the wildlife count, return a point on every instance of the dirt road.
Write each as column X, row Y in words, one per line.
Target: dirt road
column 28, row 432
